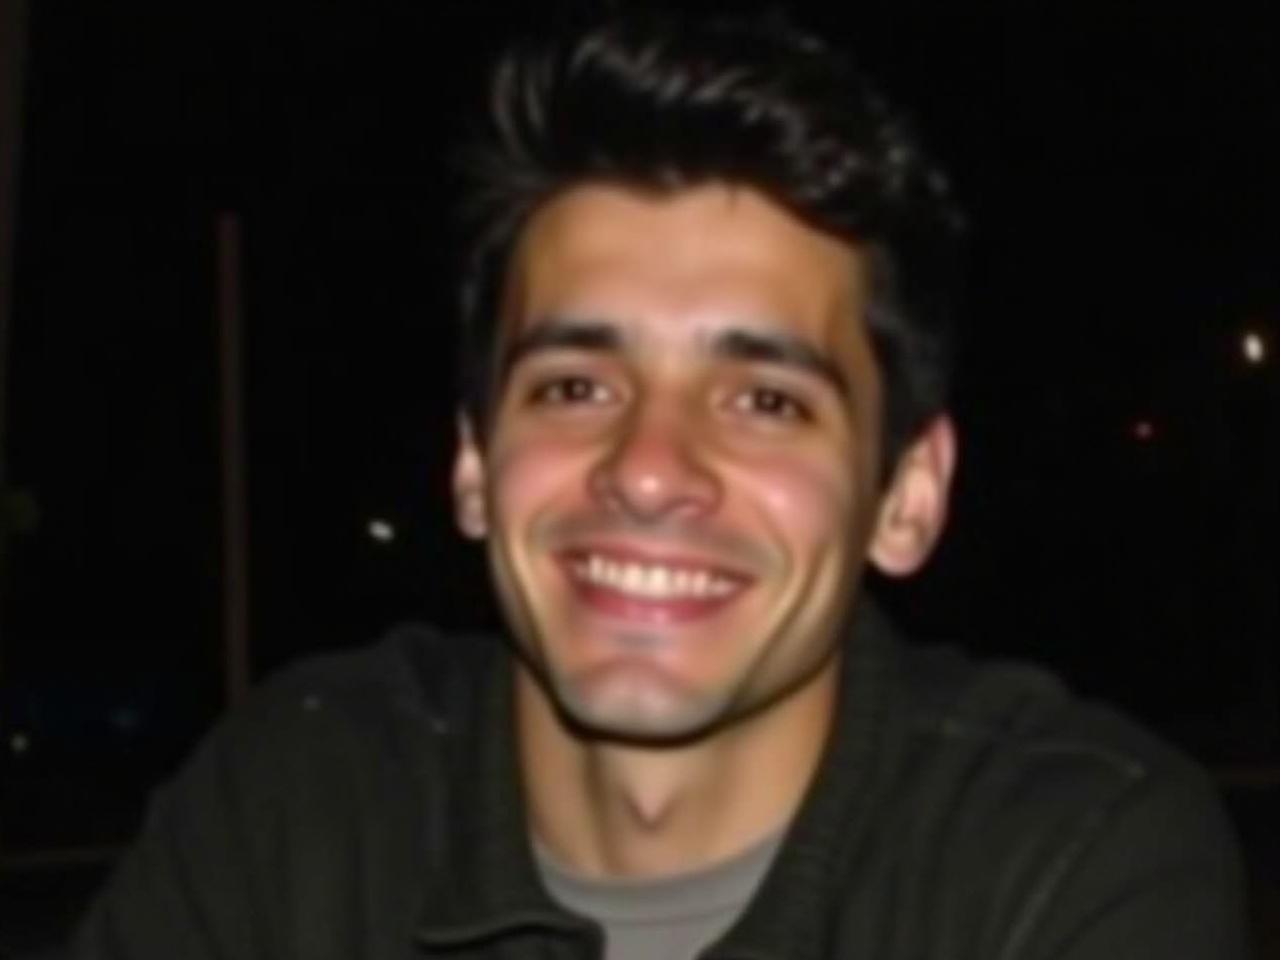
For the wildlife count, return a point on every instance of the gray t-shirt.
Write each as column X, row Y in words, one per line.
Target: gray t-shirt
column 667, row 918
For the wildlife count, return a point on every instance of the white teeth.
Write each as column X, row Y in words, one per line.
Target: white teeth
column 719, row 588
column 658, row 581
column 652, row 581
column 633, row 579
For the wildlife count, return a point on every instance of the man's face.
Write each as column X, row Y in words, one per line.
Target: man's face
column 679, row 481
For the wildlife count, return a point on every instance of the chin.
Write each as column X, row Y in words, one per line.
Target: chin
column 636, row 709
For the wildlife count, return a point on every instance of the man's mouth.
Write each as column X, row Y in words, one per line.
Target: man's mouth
column 633, row 587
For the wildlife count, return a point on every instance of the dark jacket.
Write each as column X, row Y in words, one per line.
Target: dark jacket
column 367, row 805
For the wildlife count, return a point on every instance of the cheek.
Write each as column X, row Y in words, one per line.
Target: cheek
column 529, row 472
column 809, row 501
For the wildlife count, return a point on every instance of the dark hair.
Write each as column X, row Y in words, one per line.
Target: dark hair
column 662, row 102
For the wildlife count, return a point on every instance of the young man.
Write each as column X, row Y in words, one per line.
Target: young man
column 706, row 349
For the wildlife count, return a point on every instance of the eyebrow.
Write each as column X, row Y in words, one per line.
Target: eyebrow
column 561, row 333
column 782, row 349
column 736, row 343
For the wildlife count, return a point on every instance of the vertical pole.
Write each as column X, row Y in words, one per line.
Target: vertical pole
column 235, row 513
column 13, row 41
column 13, row 37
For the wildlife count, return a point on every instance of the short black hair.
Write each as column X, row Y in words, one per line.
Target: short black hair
column 668, row 101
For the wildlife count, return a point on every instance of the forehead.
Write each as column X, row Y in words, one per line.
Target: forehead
column 698, row 255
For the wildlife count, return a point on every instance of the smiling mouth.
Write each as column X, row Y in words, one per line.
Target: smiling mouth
column 652, row 591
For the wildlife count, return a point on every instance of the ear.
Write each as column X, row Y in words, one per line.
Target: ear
column 913, row 510
column 469, row 508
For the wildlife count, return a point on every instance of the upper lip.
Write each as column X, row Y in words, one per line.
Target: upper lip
column 653, row 556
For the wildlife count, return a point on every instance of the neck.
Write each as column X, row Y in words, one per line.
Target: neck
column 610, row 809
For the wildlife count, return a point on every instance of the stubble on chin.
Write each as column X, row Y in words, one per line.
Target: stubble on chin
column 632, row 704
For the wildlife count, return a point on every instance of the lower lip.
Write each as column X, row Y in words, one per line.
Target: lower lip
column 622, row 606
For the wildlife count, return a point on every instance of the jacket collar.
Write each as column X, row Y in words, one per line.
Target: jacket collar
column 488, row 883
column 789, row 915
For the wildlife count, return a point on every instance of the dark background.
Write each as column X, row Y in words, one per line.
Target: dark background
column 1119, row 164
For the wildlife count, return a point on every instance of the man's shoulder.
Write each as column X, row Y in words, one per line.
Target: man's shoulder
column 412, row 667
column 1028, row 712
column 310, row 803
column 1010, row 743
column 1044, row 805
column 378, row 703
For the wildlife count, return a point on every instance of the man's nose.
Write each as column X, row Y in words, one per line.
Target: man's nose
column 654, row 470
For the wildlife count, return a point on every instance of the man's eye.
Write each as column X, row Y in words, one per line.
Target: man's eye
column 569, row 390
column 770, row 402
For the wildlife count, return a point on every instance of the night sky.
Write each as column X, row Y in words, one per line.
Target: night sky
column 1118, row 508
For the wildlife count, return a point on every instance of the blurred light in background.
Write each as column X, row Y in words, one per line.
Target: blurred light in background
column 1253, row 347
column 19, row 743
column 381, row 531
column 1143, row 430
